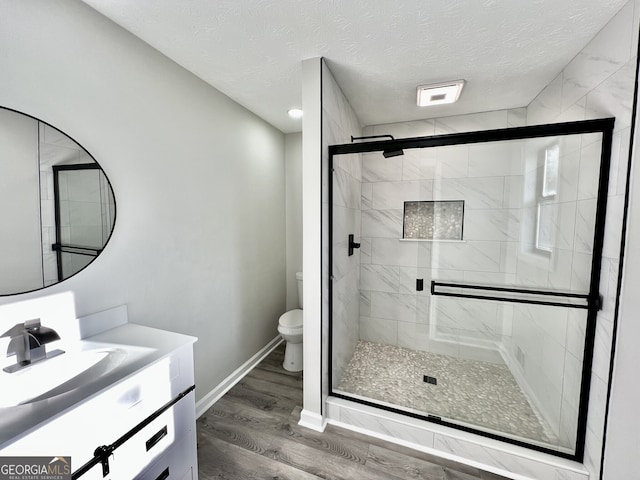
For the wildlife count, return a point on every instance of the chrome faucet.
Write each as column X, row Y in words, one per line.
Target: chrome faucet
column 28, row 342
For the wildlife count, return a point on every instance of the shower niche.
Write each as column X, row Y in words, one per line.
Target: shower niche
column 505, row 230
column 433, row 220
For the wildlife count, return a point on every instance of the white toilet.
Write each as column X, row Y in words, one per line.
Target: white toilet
column 290, row 328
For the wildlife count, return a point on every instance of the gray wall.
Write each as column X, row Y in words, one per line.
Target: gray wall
column 293, row 178
column 199, row 241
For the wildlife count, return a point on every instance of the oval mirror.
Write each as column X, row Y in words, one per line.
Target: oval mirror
column 56, row 203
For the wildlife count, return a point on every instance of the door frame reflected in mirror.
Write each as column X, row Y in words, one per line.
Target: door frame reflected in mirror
column 100, row 198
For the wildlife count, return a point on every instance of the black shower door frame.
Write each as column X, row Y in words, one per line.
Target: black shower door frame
column 593, row 301
column 58, row 246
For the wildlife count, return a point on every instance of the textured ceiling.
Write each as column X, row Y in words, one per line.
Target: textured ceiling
column 378, row 50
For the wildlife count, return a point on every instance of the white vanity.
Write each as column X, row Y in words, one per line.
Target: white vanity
column 123, row 387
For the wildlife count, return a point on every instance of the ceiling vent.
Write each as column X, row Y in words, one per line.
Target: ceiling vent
column 439, row 93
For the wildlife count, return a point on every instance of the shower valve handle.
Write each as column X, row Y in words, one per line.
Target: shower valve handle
column 352, row 244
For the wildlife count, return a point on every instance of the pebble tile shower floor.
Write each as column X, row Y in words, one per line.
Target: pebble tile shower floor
column 477, row 393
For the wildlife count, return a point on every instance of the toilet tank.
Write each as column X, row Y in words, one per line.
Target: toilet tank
column 299, row 280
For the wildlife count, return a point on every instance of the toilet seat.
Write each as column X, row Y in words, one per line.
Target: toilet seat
column 292, row 318
column 291, row 322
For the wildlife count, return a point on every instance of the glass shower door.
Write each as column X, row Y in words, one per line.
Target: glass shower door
column 511, row 303
column 479, row 270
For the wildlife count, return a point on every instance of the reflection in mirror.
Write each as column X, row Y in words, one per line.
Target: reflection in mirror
column 84, row 208
column 57, row 205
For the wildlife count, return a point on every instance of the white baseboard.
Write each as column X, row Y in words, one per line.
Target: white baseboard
column 227, row 384
column 312, row 420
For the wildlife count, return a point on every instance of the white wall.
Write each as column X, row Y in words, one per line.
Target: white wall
column 293, row 178
column 312, row 215
column 623, row 430
column 199, row 241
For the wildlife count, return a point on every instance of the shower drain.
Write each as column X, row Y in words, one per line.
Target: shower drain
column 431, row 380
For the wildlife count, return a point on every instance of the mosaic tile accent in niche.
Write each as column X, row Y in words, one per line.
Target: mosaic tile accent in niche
column 433, row 220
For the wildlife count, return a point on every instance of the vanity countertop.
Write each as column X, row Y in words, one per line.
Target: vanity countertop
column 138, row 347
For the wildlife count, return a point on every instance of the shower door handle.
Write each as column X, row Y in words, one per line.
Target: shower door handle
column 352, row 244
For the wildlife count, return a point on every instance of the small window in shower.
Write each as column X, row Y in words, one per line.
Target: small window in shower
column 550, row 176
column 547, row 208
column 433, row 220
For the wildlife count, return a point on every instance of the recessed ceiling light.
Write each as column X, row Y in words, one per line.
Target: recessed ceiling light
column 439, row 93
column 295, row 113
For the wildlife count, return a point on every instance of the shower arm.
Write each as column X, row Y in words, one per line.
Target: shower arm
column 371, row 136
column 386, row 153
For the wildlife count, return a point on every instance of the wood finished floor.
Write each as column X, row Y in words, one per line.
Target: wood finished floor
column 253, row 433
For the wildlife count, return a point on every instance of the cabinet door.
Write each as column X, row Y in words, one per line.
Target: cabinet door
column 175, row 425
column 177, row 462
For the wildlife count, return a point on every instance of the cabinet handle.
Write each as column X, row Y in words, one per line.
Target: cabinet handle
column 164, row 475
column 157, row 437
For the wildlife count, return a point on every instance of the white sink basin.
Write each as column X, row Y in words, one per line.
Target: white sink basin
column 56, row 375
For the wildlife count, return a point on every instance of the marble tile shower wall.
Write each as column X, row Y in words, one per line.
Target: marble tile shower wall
column 339, row 123
column 391, row 310
column 538, row 339
column 598, row 82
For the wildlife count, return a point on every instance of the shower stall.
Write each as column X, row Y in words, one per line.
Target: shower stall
column 464, row 278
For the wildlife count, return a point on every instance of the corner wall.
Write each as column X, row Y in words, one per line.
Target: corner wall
column 328, row 119
column 597, row 83
column 314, row 292
column 339, row 123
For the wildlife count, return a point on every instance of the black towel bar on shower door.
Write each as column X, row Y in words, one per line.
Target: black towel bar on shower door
column 568, row 297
